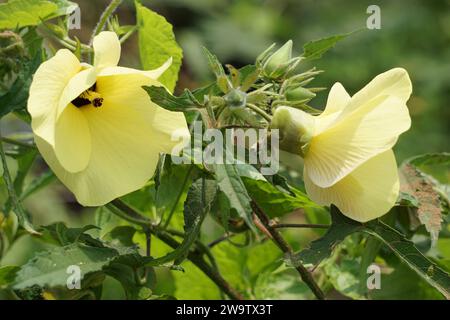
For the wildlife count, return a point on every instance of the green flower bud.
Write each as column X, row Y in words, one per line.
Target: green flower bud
column 296, row 129
column 279, row 60
column 236, row 98
column 299, row 94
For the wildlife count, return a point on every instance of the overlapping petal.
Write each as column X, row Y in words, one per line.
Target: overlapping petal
column 338, row 98
column 73, row 140
column 368, row 192
column 106, row 50
column 368, row 124
column 48, row 85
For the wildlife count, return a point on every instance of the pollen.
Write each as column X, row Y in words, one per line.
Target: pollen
column 88, row 97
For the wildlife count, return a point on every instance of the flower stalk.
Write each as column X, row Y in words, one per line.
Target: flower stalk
column 286, row 248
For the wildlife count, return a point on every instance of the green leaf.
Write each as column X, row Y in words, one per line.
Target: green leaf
column 322, row 248
column 410, row 255
column 17, row 96
column 248, row 76
column 38, row 183
column 437, row 167
column 214, row 64
column 316, row 48
column 7, row 275
column 121, row 236
column 157, row 44
column 171, row 193
column 193, row 284
column 403, row 284
column 431, row 159
column 60, row 234
column 128, row 278
column 21, row 13
column 49, row 268
column 371, row 248
column 407, row 200
column 166, row 100
column 343, row 275
column 275, row 202
column 230, row 184
column 64, row 8
column 398, row 243
column 198, row 202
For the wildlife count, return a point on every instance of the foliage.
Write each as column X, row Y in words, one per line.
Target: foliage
column 205, row 231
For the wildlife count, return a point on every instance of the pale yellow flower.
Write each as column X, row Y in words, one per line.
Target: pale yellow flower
column 347, row 153
column 95, row 126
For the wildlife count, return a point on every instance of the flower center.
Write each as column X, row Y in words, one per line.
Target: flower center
column 88, row 97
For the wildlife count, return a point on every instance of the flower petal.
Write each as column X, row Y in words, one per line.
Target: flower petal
column 168, row 128
column 72, row 140
column 337, row 100
column 77, row 85
column 392, row 83
column 370, row 130
column 125, row 144
column 336, row 152
column 152, row 74
column 48, row 84
column 367, row 193
column 122, row 160
column 106, row 49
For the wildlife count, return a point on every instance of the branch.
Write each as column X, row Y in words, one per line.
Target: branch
column 18, row 143
column 300, row 225
column 126, row 212
column 22, row 216
column 287, row 250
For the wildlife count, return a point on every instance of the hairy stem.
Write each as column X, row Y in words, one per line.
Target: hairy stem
column 180, row 193
column 300, row 225
column 109, row 10
column 126, row 212
column 18, row 209
column 287, row 250
column 260, row 111
column 128, row 34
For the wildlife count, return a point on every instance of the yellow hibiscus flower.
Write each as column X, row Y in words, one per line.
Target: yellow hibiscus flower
column 96, row 127
column 347, row 153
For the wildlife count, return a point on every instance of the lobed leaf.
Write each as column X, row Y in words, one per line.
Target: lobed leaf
column 157, row 44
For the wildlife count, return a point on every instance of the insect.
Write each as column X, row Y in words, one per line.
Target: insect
column 88, row 97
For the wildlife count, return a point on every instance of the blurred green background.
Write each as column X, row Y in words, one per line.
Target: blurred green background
column 414, row 35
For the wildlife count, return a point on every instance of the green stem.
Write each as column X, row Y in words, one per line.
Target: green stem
column 301, row 225
column 18, row 209
column 180, row 193
column 18, row 143
column 128, row 34
column 109, row 10
column 259, row 111
column 287, row 250
column 124, row 211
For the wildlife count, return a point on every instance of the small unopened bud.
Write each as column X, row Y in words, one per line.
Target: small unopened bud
column 280, row 62
column 296, row 129
column 236, row 98
column 299, row 94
